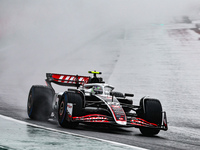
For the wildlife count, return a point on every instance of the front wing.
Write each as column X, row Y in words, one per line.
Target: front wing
column 130, row 121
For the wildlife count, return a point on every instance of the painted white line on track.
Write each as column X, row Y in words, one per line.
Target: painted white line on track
column 74, row 134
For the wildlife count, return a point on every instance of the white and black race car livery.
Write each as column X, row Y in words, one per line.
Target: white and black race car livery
column 93, row 102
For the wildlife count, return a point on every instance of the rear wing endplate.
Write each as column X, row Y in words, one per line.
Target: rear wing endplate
column 66, row 80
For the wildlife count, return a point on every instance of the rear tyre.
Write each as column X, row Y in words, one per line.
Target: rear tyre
column 39, row 105
column 64, row 117
column 151, row 112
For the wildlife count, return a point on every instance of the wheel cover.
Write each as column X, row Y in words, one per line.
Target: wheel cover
column 61, row 110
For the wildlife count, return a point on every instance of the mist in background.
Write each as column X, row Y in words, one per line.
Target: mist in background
column 66, row 24
column 71, row 36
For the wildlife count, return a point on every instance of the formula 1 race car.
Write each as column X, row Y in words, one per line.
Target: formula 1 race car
column 93, row 102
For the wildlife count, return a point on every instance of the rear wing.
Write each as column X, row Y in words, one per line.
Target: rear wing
column 66, row 80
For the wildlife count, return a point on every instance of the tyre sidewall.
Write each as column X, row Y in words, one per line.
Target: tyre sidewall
column 62, row 116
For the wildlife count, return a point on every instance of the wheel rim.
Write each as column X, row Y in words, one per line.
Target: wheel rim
column 61, row 110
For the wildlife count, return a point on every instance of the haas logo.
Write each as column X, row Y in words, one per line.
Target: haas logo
column 70, row 79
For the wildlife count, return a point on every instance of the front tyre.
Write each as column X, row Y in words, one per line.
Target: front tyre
column 64, row 117
column 39, row 105
column 151, row 112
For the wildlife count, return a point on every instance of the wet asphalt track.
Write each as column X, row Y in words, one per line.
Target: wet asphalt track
column 145, row 59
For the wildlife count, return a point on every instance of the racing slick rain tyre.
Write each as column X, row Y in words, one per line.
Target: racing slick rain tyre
column 151, row 112
column 63, row 116
column 40, row 99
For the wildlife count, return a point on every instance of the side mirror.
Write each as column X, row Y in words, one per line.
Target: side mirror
column 129, row 95
column 111, row 93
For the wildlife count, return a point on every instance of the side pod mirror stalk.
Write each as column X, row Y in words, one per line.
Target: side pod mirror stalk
column 129, row 95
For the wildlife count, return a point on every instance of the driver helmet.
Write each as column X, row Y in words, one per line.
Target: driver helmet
column 97, row 89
